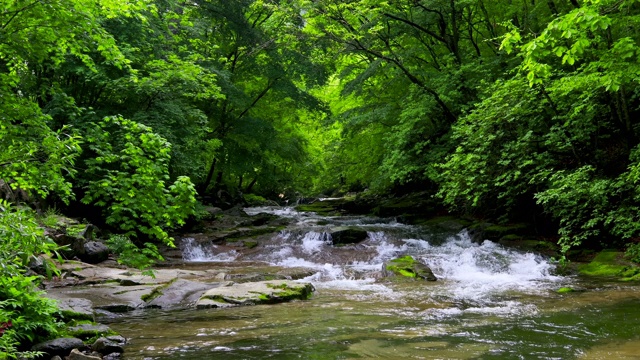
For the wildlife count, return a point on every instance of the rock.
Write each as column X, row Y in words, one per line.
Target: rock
column 179, row 293
column 89, row 232
column 77, row 355
column 94, row 252
column 263, row 292
column 110, row 296
column 407, row 266
column 112, row 356
column 259, row 219
column 89, row 330
column 106, row 346
column 56, row 358
column 76, row 308
column 296, row 273
column 60, row 347
column 344, row 236
column 236, row 211
column 118, row 339
column 39, row 264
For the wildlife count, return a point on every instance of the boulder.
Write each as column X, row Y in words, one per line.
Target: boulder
column 263, row 292
column 345, row 236
column 60, row 347
column 106, row 346
column 94, row 252
column 409, row 267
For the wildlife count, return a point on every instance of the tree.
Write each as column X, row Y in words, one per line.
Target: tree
column 567, row 142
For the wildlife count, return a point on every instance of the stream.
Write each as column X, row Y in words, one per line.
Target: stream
column 489, row 302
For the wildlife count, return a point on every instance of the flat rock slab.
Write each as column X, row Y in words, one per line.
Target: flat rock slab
column 60, row 347
column 76, row 308
column 179, row 294
column 110, row 297
column 263, row 292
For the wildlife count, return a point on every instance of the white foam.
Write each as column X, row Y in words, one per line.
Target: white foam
column 480, row 270
column 313, row 242
column 195, row 252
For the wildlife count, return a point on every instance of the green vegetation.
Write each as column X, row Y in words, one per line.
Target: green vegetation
column 519, row 112
column 407, row 266
column 609, row 263
column 565, row 290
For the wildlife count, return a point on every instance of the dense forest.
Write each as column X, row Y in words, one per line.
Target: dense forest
column 135, row 113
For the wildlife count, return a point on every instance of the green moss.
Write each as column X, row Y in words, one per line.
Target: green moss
column 250, row 244
column 499, row 231
column 156, row 292
column 609, row 263
column 76, row 316
column 287, row 293
column 565, row 290
column 75, row 230
column 402, row 266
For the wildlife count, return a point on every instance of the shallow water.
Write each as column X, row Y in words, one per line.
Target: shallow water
column 490, row 303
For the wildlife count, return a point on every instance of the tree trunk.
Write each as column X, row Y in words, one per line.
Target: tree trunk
column 253, row 182
column 207, row 181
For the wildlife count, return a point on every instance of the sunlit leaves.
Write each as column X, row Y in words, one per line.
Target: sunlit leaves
column 129, row 176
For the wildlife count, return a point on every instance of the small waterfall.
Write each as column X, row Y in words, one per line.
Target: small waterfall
column 483, row 269
column 196, row 252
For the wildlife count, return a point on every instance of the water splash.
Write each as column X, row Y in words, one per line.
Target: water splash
column 194, row 251
column 478, row 271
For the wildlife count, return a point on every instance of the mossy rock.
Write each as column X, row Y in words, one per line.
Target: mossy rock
column 88, row 331
column 328, row 207
column 494, row 232
column 247, row 233
column 263, row 292
column 611, row 263
column 407, row 266
column 442, row 223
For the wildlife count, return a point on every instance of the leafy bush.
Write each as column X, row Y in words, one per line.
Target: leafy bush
column 633, row 252
column 254, row 200
column 25, row 316
column 131, row 255
column 128, row 180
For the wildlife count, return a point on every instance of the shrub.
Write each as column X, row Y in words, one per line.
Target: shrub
column 131, row 171
column 25, row 316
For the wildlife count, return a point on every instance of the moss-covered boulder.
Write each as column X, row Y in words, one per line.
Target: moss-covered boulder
column 263, row 292
column 611, row 263
column 408, row 267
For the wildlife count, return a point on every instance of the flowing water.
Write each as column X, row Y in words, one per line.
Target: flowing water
column 489, row 303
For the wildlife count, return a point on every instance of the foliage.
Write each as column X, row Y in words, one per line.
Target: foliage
column 255, row 200
column 128, row 180
column 566, row 142
column 633, row 252
column 34, row 158
column 26, row 316
column 131, row 255
column 22, row 239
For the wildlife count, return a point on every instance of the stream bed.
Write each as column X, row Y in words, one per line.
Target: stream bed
column 490, row 302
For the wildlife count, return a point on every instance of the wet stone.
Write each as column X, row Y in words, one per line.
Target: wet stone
column 60, row 347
